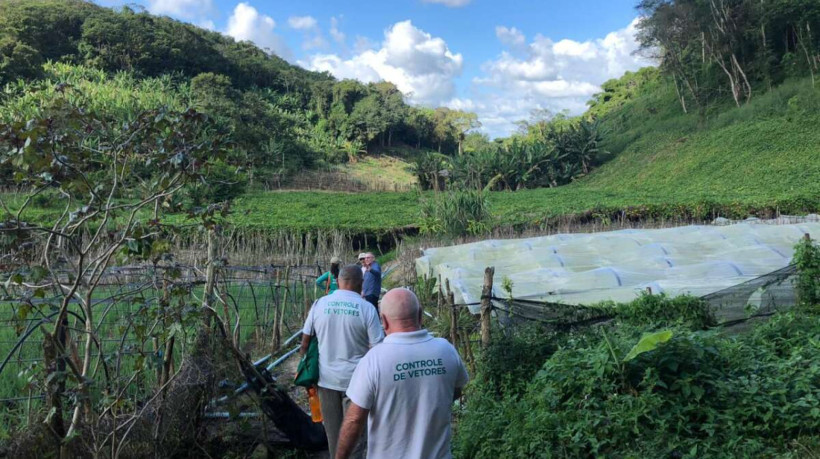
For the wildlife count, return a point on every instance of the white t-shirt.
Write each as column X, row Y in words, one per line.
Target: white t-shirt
column 408, row 383
column 346, row 326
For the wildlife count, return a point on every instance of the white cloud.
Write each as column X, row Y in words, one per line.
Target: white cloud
column 510, row 36
column 302, row 22
column 363, row 44
column 449, row 3
column 314, row 41
column 312, row 36
column 246, row 23
column 420, row 65
column 550, row 75
column 182, row 9
column 207, row 24
column 337, row 34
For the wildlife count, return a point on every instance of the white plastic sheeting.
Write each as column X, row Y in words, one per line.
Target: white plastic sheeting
column 587, row 268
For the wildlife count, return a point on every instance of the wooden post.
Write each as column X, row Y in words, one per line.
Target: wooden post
column 277, row 331
column 210, row 279
column 486, row 305
column 439, row 295
column 306, row 300
column 453, row 315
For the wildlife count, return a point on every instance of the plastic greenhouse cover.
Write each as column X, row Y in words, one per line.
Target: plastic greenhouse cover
column 586, row 268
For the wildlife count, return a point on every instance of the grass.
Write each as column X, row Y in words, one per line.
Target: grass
column 387, row 170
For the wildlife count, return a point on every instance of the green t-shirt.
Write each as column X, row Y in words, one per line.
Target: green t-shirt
column 322, row 282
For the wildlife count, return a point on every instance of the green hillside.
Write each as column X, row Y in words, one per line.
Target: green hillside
column 759, row 159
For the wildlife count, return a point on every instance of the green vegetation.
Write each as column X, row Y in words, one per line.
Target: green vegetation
column 455, row 213
column 646, row 388
column 634, row 155
column 383, row 169
column 807, row 261
column 282, row 119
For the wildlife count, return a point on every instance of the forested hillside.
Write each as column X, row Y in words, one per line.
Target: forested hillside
column 281, row 118
column 725, row 125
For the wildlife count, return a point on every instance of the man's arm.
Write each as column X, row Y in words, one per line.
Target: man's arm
column 305, row 344
column 351, row 430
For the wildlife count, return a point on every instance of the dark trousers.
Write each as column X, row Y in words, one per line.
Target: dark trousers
column 374, row 300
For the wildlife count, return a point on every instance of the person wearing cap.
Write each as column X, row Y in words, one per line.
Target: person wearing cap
column 403, row 388
column 346, row 327
column 372, row 288
column 329, row 280
column 361, row 258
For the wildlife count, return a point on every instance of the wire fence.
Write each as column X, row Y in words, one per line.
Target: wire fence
column 138, row 310
column 733, row 308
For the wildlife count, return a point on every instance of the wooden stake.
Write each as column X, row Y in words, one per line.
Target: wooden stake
column 453, row 316
column 486, row 306
column 277, row 332
column 439, row 295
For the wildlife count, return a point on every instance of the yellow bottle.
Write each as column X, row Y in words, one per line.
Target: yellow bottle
column 315, row 405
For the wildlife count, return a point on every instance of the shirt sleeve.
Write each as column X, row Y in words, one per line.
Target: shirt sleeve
column 322, row 280
column 308, row 328
column 376, row 269
column 461, row 375
column 362, row 388
column 375, row 332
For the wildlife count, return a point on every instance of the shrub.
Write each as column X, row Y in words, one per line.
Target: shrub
column 224, row 183
column 455, row 213
column 807, row 260
column 699, row 394
column 661, row 310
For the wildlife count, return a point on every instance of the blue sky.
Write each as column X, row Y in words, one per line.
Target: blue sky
column 500, row 59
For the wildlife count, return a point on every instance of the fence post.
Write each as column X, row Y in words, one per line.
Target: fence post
column 439, row 294
column 453, row 315
column 486, row 305
column 277, row 331
column 210, row 278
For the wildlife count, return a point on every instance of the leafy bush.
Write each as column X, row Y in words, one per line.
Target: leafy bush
column 661, row 310
column 224, row 183
column 698, row 394
column 807, row 260
column 515, row 356
column 455, row 213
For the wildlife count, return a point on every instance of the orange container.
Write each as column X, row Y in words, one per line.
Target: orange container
column 315, row 405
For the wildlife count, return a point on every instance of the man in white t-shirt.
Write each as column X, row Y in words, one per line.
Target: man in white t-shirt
column 404, row 388
column 346, row 326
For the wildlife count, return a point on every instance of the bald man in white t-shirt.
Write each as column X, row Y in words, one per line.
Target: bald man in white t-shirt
column 404, row 388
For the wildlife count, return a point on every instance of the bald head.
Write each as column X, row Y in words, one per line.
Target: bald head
column 401, row 311
column 350, row 278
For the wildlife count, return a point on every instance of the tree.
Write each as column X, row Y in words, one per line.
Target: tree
column 393, row 107
column 113, row 180
column 18, row 60
column 422, row 122
column 370, row 118
column 443, row 129
column 462, row 123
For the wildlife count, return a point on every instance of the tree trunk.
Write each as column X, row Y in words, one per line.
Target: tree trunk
column 486, row 306
column 746, row 84
column 678, row 92
column 735, row 91
column 54, row 400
